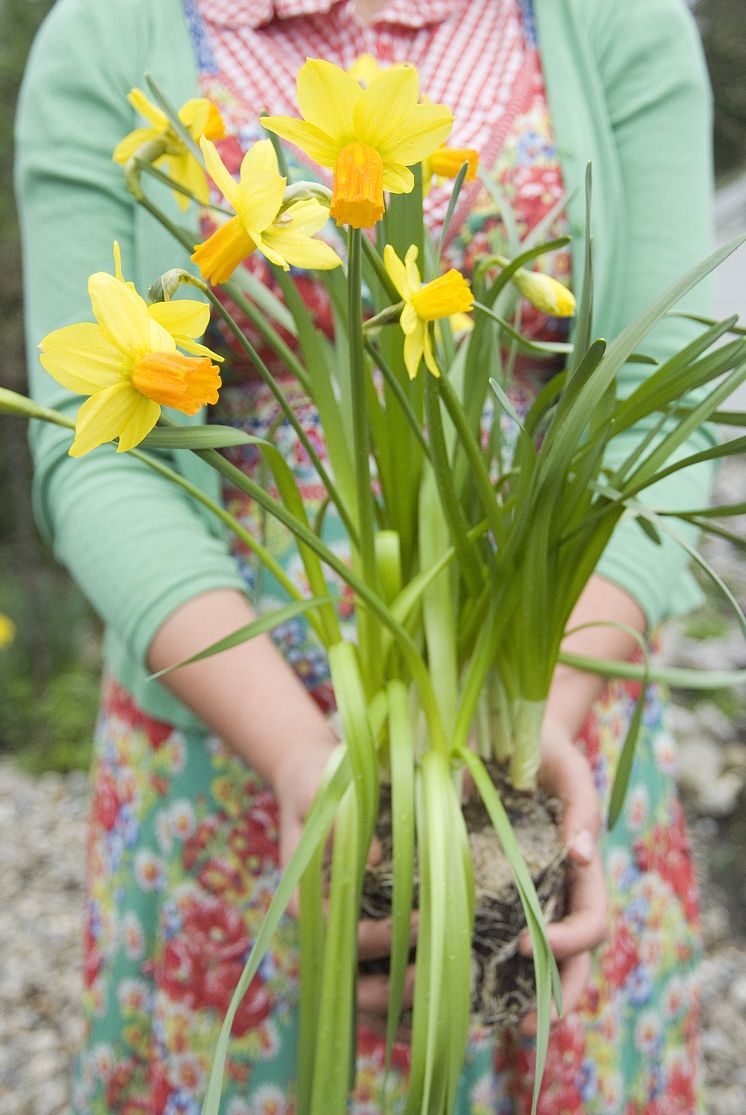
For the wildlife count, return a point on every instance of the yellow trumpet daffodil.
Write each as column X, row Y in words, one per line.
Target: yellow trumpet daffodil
column 446, row 162
column 199, row 116
column 370, row 137
column 7, row 631
column 128, row 363
column 424, row 303
column 284, row 234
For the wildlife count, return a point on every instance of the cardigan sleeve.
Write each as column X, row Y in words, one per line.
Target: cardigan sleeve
column 659, row 106
column 131, row 540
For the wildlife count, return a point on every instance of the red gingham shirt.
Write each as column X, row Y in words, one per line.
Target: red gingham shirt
column 470, row 54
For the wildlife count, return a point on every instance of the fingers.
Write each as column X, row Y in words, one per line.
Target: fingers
column 373, row 994
column 586, row 924
column 374, row 937
column 574, row 976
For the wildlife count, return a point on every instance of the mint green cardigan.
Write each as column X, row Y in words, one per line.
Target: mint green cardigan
column 627, row 91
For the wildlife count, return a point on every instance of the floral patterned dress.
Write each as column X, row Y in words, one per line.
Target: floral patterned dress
column 183, row 851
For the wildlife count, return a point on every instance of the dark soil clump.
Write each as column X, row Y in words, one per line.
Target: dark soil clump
column 503, row 988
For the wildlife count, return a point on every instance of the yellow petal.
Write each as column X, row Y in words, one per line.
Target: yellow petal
column 413, row 272
column 121, row 313
column 430, row 362
column 118, row 411
column 365, row 69
column 270, row 253
column 194, row 348
column 181, row 317
column 397, row 179
column 81, row 358
column 142, row 104
column 261, row 188
column 409, row 321
column 301, row 250
column 307, row 215
column 426, row 128
column 218, row 172
column 446, row 162
column 413, row 348
column 118, row 273
column 386, row 105
column 131, row 143
column 396, row 271
column 326, row 97
column 185, row 170
column 316, row 143
column 193, row 115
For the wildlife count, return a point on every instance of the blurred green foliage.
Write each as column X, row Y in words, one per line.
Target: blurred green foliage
column 49, row 676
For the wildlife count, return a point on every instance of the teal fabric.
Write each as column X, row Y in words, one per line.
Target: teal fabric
column 627, row 90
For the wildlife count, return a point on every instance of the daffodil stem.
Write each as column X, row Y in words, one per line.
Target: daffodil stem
column 385, row 317
column 264, row 556
column 480, row 475
column 172, row 184
column 399, row 393
column 362, row 588
column 361, row 436
column 374, row 259
column 282, row 402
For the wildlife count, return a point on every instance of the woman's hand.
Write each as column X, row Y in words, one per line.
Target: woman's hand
column 566, row 775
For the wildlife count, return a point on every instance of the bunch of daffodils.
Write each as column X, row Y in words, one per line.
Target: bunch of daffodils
column 464, row 562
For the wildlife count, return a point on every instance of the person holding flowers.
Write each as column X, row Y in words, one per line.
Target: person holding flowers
column 202, row 782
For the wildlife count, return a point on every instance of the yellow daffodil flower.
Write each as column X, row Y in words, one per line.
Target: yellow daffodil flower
column 199, row 116
column 446, row 162
column 370, row 137
column 285, row 235
column 7, row 631
column 546, row 293
column 424, row 303
column 128, row 363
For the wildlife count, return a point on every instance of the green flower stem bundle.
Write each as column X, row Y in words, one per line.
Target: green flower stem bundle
column 465, row 562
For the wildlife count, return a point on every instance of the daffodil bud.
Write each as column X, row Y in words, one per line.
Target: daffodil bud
column 165, row 286
column 545, row 292
column 301, row 191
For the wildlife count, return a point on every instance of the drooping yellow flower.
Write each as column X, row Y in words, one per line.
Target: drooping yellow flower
column 7, row 631
column 285, row 235
column 370, row 137
column 545, row 292
column 423, row 304
column 199, row 116
column 446, row 162
column 128, row 363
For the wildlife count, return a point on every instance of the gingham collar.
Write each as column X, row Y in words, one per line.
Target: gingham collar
column 257, row 13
